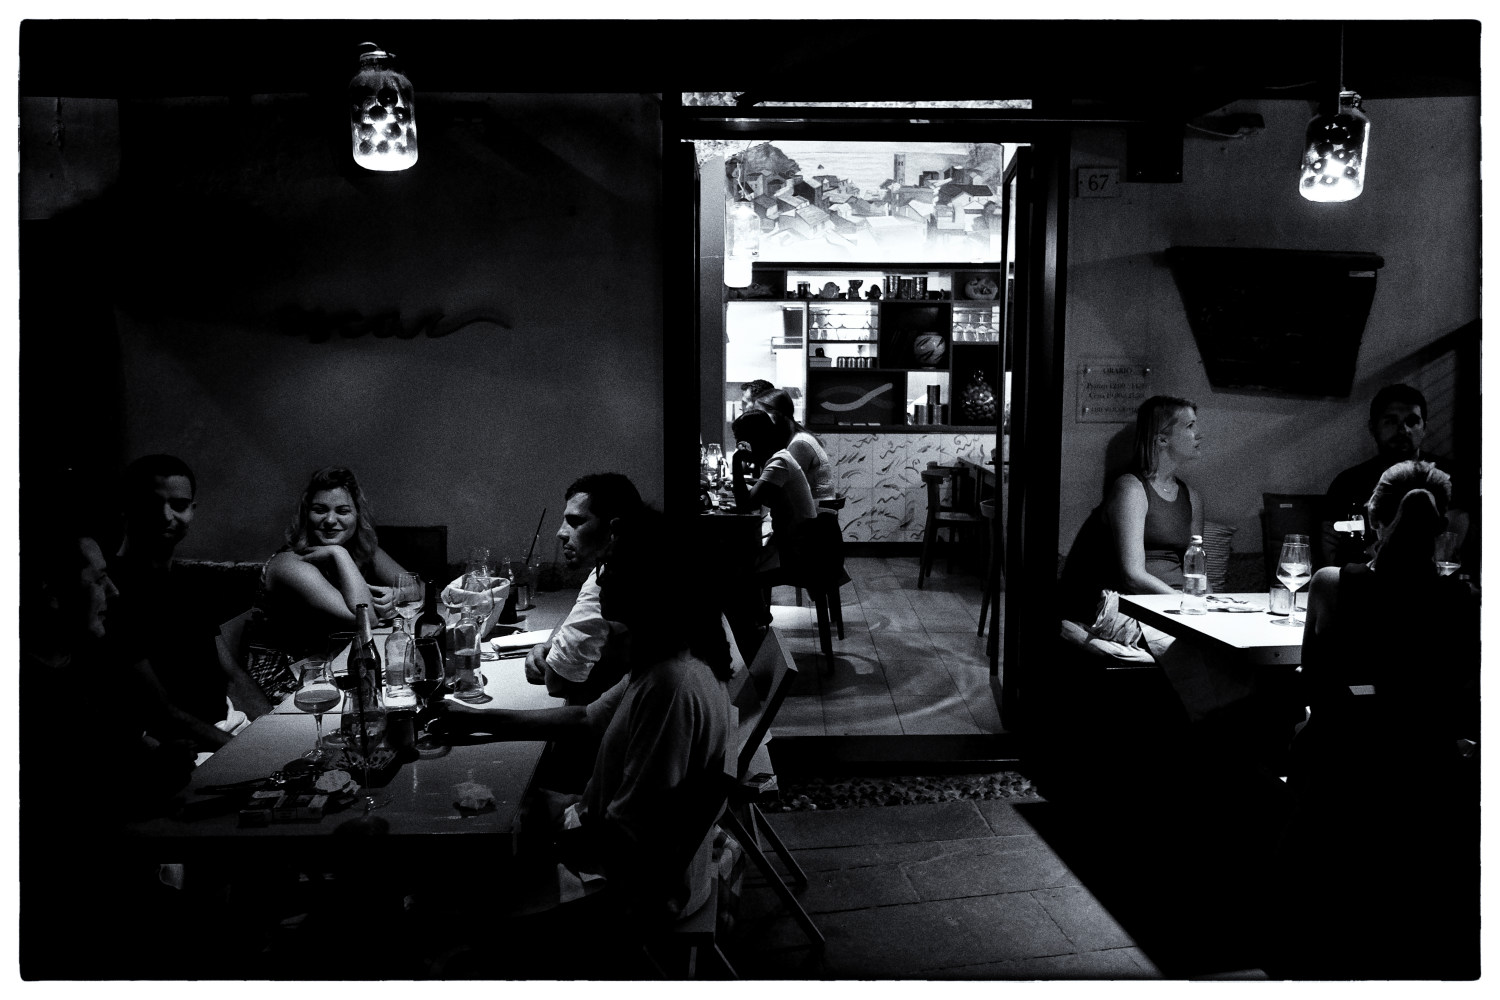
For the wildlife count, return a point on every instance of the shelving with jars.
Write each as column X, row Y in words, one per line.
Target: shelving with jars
column 874, row 362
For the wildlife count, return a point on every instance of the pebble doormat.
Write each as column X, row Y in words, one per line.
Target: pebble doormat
column 853, row 793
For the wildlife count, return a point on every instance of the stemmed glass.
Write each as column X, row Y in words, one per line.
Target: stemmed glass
column 1293, row 570
column 316, row 694
column 480, row 604
column 409, row 591
column 1445, row 553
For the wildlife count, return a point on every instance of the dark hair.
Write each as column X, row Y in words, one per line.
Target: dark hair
column 756, row 387
column 335, row 477
column 765, row 432
column 779, row 402
column 1156, row 415
column 139, row 474
column 611, row 495
column 1411, row 501
column 633, row 584
column 1397, row 393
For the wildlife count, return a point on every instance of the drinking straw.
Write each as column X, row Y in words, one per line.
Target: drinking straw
column 534, row 537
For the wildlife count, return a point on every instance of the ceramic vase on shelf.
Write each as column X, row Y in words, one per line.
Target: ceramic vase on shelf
column 978, row 400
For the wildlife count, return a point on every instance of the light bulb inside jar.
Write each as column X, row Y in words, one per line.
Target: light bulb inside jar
column 382, row 114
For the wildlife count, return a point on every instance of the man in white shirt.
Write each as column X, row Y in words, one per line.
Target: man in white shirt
column 573, row 662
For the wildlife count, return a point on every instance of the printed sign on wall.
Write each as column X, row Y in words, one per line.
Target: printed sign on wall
column 1110, row 391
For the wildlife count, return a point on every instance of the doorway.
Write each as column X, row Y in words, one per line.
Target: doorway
column 791, row 331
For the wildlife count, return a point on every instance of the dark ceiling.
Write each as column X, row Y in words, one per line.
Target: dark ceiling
column 1067, row 67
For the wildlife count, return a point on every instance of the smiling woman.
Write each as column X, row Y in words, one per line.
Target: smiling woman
column 331, row 563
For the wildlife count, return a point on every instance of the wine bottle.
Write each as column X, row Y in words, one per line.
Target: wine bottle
column 429, row 623
column 508, row 611
column 364, row 667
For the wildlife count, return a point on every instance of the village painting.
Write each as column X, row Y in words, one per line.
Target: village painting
column 872, row 202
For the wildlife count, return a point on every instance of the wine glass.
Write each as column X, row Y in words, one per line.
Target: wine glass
column 481, row 604
column 316, row 694
column 1445, row 553
column 1293, row 570
column 409, row 590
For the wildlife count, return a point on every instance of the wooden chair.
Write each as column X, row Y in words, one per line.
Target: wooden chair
column 420, row 549
column 819, row 569
column 835, row 603
column 758, row 695
column 941, row 515
column 994, row 582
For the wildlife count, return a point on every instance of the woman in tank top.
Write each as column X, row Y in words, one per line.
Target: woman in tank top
column 1151, row 513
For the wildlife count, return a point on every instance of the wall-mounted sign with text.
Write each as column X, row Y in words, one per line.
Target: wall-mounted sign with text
column 1111, row 391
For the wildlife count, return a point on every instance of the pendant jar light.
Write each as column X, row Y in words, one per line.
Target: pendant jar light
column 1335, row 157
column 741, row 242
column 382, row 113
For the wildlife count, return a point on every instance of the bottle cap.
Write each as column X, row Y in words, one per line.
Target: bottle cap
column 1197, row 539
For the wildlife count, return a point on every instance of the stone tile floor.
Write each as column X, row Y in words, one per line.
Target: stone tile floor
column 971, row 890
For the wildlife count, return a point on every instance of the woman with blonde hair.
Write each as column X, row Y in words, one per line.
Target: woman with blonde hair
column 331, row 563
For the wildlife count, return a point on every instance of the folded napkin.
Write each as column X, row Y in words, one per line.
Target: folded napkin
column 453, row 593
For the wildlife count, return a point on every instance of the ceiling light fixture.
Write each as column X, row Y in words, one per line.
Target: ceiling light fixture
column 382, row 113
column 1335, row 156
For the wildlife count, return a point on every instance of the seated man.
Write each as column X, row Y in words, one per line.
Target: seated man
column 175, row 677
column 97, row 765
column 1398, row 425
column 598, row 505
column 645, row 818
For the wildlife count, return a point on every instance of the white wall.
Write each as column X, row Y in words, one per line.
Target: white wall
column 1419, row 211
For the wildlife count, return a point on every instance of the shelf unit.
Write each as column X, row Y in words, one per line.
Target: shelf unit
column 887, row 351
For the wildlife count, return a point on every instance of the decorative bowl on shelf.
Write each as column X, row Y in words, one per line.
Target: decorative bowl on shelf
column 982, row 287
column 928, row 349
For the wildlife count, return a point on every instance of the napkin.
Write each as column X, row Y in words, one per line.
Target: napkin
column 498, row 593
column 472, row 795
column 520, row 640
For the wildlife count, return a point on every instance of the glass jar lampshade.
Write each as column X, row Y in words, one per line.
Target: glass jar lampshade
column 382, row 113
column 741, row 242
column 1335, row 157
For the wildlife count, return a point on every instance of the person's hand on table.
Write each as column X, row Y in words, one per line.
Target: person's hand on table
column 536, row 663
column 383, row 602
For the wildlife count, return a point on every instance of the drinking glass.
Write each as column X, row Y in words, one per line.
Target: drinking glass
column 1445, row 553
column 316, row 694
column 409, row 591
column 479, row 561
column 1294, row 569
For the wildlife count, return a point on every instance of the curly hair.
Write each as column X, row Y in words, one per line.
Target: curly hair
column 335, row 477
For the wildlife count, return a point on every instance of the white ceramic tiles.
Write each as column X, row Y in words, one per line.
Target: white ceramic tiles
column 880, row 475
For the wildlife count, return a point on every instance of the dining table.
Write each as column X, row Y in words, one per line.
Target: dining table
column 423, row 797
column 1246, row 668
column 1237, row 626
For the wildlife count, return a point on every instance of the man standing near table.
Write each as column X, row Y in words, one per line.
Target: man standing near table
column 573, row 662
column 175, row 675
column 1398, row 425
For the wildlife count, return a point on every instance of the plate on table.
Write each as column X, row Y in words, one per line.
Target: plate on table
column 1233, row 606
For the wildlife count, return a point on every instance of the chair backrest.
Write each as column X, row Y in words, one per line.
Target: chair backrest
column 1286, row 514
column 420, row 549
column 771, row 676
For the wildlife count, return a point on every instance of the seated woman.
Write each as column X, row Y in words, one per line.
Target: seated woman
column 804, row 447
column 1133, row 543
column 1390, row 655
column 645, row 818
column 331, row 563
column 781, row 486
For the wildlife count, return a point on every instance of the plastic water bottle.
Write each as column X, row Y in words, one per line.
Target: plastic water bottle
column 1194, row 579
